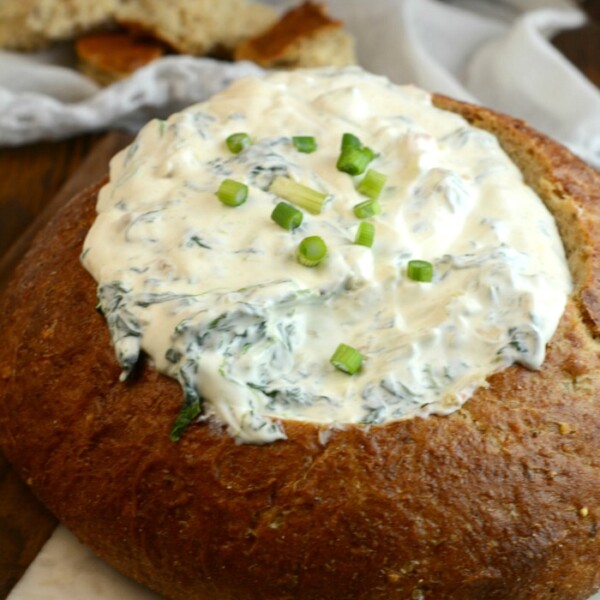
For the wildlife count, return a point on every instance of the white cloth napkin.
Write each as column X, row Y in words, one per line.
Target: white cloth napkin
column 57, row 102
column 495, row 53
column 66, row 569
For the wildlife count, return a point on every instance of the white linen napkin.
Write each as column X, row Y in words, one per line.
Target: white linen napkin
column 66, row 569
column 496, row 53
column 62, row 102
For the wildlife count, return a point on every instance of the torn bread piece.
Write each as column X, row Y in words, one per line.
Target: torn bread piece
column 197, row 27
column 110, row 56
column 306, row 36
column 33, row 24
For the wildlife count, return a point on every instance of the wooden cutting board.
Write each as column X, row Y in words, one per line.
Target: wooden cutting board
column 24, row 523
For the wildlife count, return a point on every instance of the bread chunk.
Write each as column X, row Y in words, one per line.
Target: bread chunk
column 15, row 32
column 305, row 36
column 110, row 56
column 33, row 24
column 66, row 19
column 196, row 27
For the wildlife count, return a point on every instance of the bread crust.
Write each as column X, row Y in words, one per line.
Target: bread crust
column 196, row 27
column 305, row 36
column 498, row 500
column 110, row 56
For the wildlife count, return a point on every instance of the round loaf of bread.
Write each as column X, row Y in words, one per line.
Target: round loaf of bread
column 498, row 500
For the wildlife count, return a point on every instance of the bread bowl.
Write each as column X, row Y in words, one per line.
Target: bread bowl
column 498, row 499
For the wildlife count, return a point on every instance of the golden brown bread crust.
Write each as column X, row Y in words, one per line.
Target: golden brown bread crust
column 197, row 27
column 113, row 55
column 499, row 500
column 280, row 45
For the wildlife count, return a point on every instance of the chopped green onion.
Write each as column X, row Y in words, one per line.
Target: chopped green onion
column 353, row 160
column 365, row 235
column 311, row 251
column 232, row 193
column 298, row 194
column 350, row 140
column 347, row 359
column 372, row 184
column 237, row 142
column 354, row 157
column 366, row 209
column 288, row 216
column 419, row 270
column 304, row 143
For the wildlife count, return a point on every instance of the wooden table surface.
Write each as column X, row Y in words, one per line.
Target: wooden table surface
column 38, row 177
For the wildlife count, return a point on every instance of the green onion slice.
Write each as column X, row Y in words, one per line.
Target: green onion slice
column 298, row 194
column 232, row 193
column 372, row 184
column 365, row 235
column 304, row 143
column 353, row 160
column 237, row 142
column 354, row 157
column 420, row 270
column 287, row 216
column 366, row 209
column 311, row 251
column 347, row 359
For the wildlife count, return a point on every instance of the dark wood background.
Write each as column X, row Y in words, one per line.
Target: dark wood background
column 34, row 180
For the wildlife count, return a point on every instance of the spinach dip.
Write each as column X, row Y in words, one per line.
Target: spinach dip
column 218, row 295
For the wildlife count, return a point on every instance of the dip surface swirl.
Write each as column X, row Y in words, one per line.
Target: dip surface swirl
column 216, row 297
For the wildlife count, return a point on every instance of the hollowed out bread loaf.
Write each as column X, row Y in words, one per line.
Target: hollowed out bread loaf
column 499, row 500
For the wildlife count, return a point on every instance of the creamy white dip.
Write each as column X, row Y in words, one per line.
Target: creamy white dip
column 215, row 296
